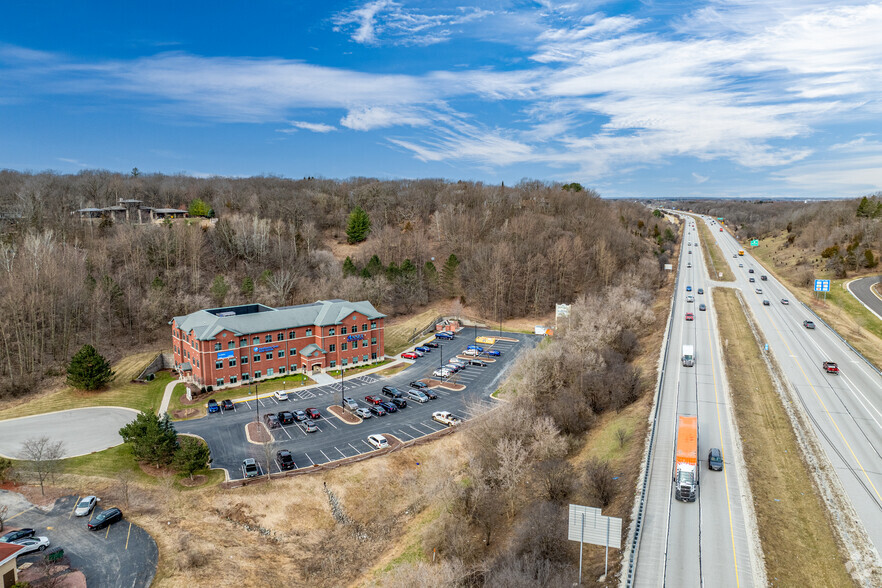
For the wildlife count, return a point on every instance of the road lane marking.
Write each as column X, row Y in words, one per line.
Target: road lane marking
column 127, row 536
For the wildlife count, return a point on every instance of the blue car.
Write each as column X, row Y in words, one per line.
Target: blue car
column 422, row 349
column 476, row 348
column 494, row 353
column 444, row 335
column 213, row 406
column 689, row 288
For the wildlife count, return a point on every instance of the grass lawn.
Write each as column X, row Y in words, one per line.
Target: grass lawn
column 714, row 258
column 263, row 387
column 397, row 335
column 359, row 369
column 791, row 517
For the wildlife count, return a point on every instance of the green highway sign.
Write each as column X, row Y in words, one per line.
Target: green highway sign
column 754, row 243
column 719, row 218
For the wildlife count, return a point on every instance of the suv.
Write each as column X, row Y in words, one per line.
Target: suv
column 271, row 421
column 286, row 417
column 286, row 461
column 350, row 403
column 398, row 401
column 104, row 518
column 213, row 406
column 392, row 392
column 715, row 460
column 830, row 367
column 249, row 468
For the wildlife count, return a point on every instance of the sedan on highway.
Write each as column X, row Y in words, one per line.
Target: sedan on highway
column 766, row 302
column 701, row 290
column 715, row 460
column 785, row 301
column 690, row 298
column 808, row 324
column 702, row 307
column 85, row 506
column 690, row 316
column 830, row 367
column 759, row 290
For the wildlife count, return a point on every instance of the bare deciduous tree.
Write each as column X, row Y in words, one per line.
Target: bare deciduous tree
column 42, row 457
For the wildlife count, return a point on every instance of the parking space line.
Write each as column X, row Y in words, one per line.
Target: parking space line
column 403, row 433
column 421, row 432
column 357, row 452
column 309, row 458
column 127, row 536
column 330, row 423
column 340, row 452
column 77, row 501
column 432, row 425
column 325, row 454
column 287, row 433
column 108, row 531
column 366, row 444
column 20, row 513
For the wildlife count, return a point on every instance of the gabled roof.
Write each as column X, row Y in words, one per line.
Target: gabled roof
column 249, row 319
column 8, row 551
column 309, row 349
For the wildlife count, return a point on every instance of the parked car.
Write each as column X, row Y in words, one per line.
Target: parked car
column 689, row 316
column 400, row 402
column 228, row 404
column 766, row 302
column 285, row 459
column 715, row 460
column 418, row 353
column 830, row 367
column 409, row 355
column 428, row 392
column 373, row 399
column 453, row 367
column 250, row 468
column 417, row 396
column 808, row 324
column 85, row 506
column 392, row 392
column 377, row 410
column 418, row 384
column 213, row 406
column 472, row 352
column 457, row 361
column 442, row 373
column 313, row 413
column 350, row 403
column 478, row 362
column 363, row 412
column 280, row 395
column 378, row 441
column 309, row 426
column 493, row 353
column 444, row 335
column 271, row 420
column 16, row 535
column 300, row 415
column 702, row 307
column 286, row 417
column 445, row 418
column 785, row 301
column 32, row 544
column 477, row 348
column 388, row 407
column 431, row 344
column 104, row 518
column 422, row 349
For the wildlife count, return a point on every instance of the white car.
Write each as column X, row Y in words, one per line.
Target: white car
column 363, row 412
column 86, row 505
column 445, row 418
column 759, row 290
column 457, row 360
column 785, row 301
column 280, row 395
column 378, row 441
column 690, row 298
column 442, row 373
column 472, row 352
column 32, row 544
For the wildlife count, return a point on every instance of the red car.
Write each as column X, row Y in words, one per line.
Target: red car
column 313, row 413
column 409, row 355
column 830, row 367
column 690, row 316
column 373, row 399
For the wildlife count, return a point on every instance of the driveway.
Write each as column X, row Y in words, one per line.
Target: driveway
column 83, row 430
column 121, row 555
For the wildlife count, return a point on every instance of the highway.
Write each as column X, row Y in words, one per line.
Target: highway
column 862, row 289
column 711, row 541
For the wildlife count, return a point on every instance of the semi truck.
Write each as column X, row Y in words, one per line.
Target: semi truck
column 686, row 459
column 688, row 356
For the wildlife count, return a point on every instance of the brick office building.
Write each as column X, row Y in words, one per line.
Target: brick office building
column 239, row 344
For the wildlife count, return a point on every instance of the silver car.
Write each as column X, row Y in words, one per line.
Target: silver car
column 417, row 396
column 32, row 544
column 86, row 505
column 363, row 413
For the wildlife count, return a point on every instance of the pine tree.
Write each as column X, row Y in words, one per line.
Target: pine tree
column 88, row 370
column 248, row 288
column 359, row 226
column 374, row 266
column 430, row 273
column 349, row 268
column 408, row 267
column 192, row 455
column 153, row 440
column 219, row 290
column 449, row 275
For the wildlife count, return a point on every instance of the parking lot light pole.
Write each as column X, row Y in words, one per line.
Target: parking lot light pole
column 342, row 387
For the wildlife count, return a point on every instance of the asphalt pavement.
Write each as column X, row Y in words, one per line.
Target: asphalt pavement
column 225, row 431
column 83, row 430
column 123, row 555
column 862, row 290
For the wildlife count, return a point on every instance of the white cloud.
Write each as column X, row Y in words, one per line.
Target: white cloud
column 308, row 126
column 699, row 179
column 371, row 118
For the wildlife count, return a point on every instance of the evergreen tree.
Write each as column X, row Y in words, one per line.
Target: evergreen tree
column 430, row 273
column 199, row 207
column 153, row 440
column 248, row 288
column 408, row 267
column 359, row 226
column 374, row 266
column 88, row 370
column 392, row 271
column 349, row 268
column 865, row 208
column 192, row 455
column 219, row 290
column 449, row 275
column 573, row 187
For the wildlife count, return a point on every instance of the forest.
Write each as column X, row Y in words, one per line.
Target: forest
column 509, row 251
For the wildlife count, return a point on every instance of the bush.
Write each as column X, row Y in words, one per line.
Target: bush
column 88, row 370
column 599, row 480
column 831, row 251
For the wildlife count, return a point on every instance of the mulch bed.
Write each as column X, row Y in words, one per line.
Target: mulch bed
column 185, row 413
column 154, row 471
column 346, row 417
column 257, row 433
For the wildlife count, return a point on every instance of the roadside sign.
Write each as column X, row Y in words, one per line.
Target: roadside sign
column 588, row 525
column 719, row 218
column 754, row 243
column 822, row 285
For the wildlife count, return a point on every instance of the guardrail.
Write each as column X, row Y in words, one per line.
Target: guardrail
column 841, row 338
column 638, row 518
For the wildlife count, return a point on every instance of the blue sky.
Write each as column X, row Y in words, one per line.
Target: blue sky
column 635, row 99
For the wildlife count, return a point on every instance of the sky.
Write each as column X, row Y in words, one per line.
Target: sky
column 657, row 98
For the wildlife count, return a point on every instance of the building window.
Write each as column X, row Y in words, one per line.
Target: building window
column 282, row 369
column 373, row 325
column 256, row 359
column 256, row 375
column 373, row 340
column 364, row 327
column 331, row 332
column 231, row 345
column 309, row 332
column 218, row 364
column 364, row 342
column 332, row 348
column 293, row 367
column 217, row 347
column 292, row 351
column 345, row 361
column 355, row 359
column 197, row 363
column 374, row 355
column 280, row 337
column 268, row 339
column 255, row 341
column 232, row 379
column 220, row 381
column 244, row 359
column 342, row 346
column 245, row 376
column 333, row 363
column 243, row 342
column 342, row 330
column 292, row 334
column 269, row 355
column 281, row 353
column 269, row 372
column 232, row 362
column 364, row 357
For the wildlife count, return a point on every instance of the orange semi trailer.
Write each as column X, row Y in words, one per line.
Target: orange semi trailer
column 686, row 459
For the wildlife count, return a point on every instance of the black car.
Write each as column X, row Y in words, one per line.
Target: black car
column 377, row 410
column 389, row 407
column 107, row 517
column 399, row 402
column 286, row 417
column 392, row 392
column 750, row 271
column 715, row 460
column 428, row 392
column 16, row 535
column 271, row 421
column 286, row 461
column 418, row 385
column 478, row 362
column 227, row 404
column 431, row 344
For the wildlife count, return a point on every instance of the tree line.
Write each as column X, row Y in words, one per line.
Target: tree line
column 508, row 251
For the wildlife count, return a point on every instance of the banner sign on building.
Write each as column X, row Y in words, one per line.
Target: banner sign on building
column 225, row 354
column 262, row 349
column 355, row 337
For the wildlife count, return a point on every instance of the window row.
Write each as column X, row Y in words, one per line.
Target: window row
column 243, row 342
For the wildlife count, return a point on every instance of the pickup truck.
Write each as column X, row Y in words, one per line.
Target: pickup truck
column 830, row 367
column 445, row 418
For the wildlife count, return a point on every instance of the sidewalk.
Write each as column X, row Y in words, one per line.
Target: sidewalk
column 166, row 397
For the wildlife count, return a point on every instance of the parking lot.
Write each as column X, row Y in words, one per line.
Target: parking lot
column 225, row 431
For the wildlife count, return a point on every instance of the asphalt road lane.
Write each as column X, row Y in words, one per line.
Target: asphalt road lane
column 225, row 431
column 83, row 430
column 862, row 290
